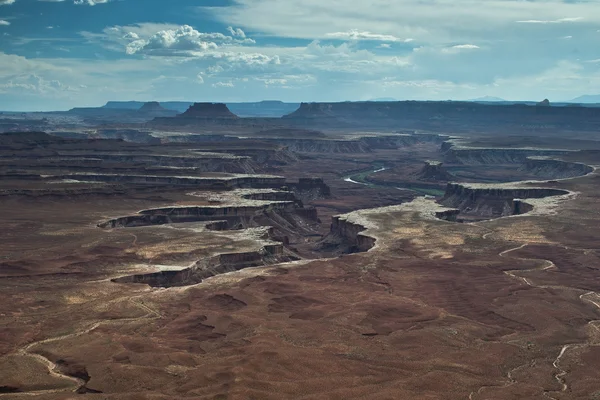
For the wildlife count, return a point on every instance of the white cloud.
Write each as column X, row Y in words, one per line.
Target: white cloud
column 199, row 79
column 355, row 34
column 6, row 2
column 459, row 48
column 236, row 32
column 555, row 21
column 4, row 22
column 384, row 46
column 428, row 22
column 223, row 84
column 90, row 2
column 165, row 40
column 170, row 42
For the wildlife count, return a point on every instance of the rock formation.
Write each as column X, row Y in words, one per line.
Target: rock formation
column 312, row 111
column 348, row 236
column 547, row 168
column 433, row 171
column 153, row 107
column 475, row 156
column 544, row 103
column 481, row 201
column 208, row 111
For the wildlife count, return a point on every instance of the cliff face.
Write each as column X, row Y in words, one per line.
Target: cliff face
column 257, row 181
column 220, row 264
column 208, row 111
column 479, row 156
column 160, row 216
column 349, row 236
column 555, row 169
column 454, row 115
column 493, row 202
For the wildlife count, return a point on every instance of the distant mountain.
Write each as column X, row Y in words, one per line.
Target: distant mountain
column 587, row 98
column 384, row 99
column 267, row 108
column 489, row 99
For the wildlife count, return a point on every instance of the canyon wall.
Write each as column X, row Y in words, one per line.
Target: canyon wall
column 488, row 201
column 350, row 235
column 555, row 169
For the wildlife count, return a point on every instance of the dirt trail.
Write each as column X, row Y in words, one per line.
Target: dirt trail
column 53, row 370
column 561, row 374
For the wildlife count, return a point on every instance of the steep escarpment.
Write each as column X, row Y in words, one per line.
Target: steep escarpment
column 346, row 237
column 448, row 115
column 493, row 201
column 547, row 168
column 268, row 254
column 225, row 182
column 237, row 209
column 480, row 156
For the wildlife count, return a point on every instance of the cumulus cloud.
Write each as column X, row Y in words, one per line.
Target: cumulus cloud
column 355, row 34
column 170, row 41
column 4, row 22
column 6, row 2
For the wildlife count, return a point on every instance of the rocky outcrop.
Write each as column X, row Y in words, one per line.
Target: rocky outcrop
column 433, row 171
column 546, row 168
column 152, row 107
column 544, row 103
column 447, row 215
column 489, row 201
column 308, row 189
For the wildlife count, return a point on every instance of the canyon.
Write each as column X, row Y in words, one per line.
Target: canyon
column 326, row 250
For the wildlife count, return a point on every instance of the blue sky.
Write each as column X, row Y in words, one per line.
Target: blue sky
column 60, row 54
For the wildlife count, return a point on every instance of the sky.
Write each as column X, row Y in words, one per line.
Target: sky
column 58, row 54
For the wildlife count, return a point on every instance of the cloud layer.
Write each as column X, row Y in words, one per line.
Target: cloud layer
column 309, row 50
